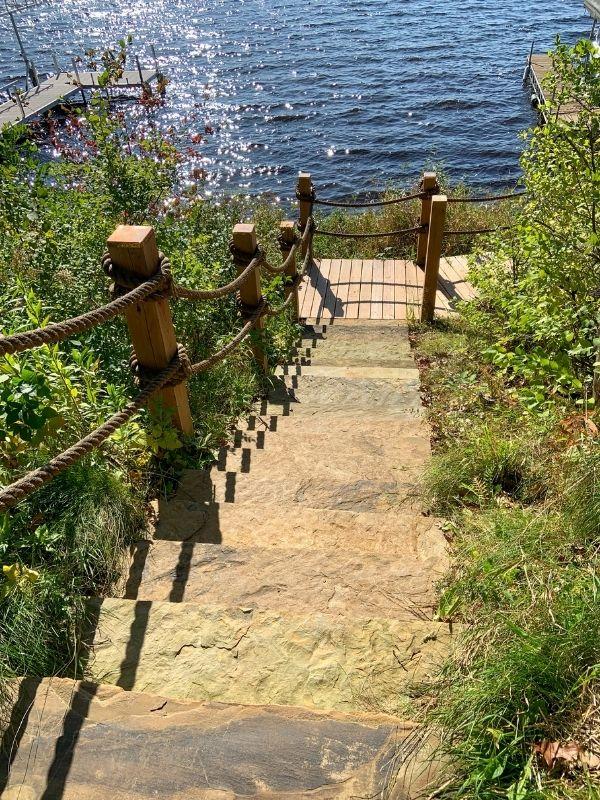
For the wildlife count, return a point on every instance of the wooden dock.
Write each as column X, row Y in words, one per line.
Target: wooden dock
column 377, row 289
column 538, row 68
column 63, row 88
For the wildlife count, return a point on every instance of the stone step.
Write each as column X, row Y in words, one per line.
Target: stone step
column 83, row 741
column 239, row 655
column 343, row 391
column 281, row 579
column 343, row 446
column 368, row 343
column 192, row 515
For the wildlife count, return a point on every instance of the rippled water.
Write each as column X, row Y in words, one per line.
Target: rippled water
column 358, row 92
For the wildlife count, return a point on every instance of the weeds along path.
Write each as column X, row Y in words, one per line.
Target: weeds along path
column 276, row 635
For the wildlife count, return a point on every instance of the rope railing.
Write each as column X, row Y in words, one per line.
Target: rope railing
column 34, row 480
column 367, row 204
column 377, row 235
column 138, row 290
column 142, row 279
column 59, row 331
column 477, row 231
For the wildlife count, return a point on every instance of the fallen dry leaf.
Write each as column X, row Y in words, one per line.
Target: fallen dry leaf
column 563, row 756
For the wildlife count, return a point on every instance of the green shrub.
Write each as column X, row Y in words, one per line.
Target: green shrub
column 488, row 465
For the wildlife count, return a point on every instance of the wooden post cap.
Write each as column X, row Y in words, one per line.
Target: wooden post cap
column 244, row 236
column 134, row 247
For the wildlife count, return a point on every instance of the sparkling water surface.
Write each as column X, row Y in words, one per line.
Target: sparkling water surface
column 361, row 93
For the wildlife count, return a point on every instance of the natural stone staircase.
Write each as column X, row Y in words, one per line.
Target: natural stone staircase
column 272, row 632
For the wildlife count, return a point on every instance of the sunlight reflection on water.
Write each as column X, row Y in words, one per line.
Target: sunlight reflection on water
column 358, row 92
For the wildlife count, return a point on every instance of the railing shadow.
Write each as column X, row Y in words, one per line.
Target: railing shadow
column 198, row 496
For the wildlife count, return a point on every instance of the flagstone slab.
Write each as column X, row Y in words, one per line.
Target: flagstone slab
column 192, row 514
column 288, row 580
column 82, row 741
column 242, row 655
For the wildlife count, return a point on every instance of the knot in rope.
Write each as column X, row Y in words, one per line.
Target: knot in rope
column 143, row 376
column 284, row 244
column 248, row 312
column 124, row 280
column 241, row 258
column 306, row 198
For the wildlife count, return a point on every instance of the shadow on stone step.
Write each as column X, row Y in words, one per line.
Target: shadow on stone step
column 72, row 724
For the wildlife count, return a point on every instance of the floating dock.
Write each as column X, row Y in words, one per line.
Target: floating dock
column 61, row 89
column 538, row 67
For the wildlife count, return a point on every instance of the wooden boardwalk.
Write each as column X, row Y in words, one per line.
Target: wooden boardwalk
column 377, row 289
column 60, row 89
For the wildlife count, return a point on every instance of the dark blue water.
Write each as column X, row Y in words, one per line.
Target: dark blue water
column 360, row 93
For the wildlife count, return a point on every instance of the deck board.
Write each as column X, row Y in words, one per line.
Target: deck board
column 366, row 289
column 378, row 289
column 59, row 89
column 389, row 279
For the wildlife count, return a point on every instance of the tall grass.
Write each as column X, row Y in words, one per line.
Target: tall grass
column 522, row 503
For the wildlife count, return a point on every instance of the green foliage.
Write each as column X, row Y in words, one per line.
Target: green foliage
column 490, row 465
column 66, row 542
column 540, row 283
column 468, row 216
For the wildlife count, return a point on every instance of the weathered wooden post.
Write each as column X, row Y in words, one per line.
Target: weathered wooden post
column 133, row 249
column 287, row 236
column 437, row 221
column 245, row 244
column 429, row 185
column 305, row 201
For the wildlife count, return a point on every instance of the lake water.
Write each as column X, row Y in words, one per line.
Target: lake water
column 360, row 93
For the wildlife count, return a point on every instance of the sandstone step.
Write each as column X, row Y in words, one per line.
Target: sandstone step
column 345, row 391
column 344, row 446
column 282, row 579
column 192, row 515
column 82, row 741
column 295, row 486
column 239, row 655
column 368, row 343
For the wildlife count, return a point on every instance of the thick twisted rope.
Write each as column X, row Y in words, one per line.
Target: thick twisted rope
column 475, row 231
column 342, row 235
column 59, row 331
column 312, row 198
column 291, row 258
column 14, row 493
column 491, row 199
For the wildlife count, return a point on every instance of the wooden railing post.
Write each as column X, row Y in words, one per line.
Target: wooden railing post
column 437, row 221
column 244, row 241
column 429, row 185
column 287, row 235
column 305, row 203
column 133, row 248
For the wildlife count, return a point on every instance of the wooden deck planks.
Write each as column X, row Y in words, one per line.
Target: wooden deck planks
column 343, row 287
column 366, row 288
column 354, row 289
column 377, row 289
column 389, row 281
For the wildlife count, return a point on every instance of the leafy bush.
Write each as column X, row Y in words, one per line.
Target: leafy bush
column 67, row 541
column 539, row 285
column 489, row 464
